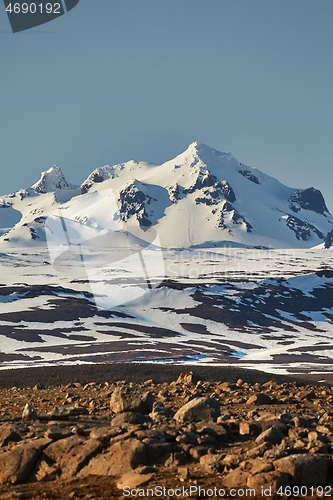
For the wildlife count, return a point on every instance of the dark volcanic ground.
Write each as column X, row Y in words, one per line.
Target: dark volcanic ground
column 136, row 372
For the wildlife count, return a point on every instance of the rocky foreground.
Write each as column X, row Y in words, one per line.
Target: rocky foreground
column 189, row 438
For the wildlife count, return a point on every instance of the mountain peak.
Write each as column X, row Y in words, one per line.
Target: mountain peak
column 204, row 152
column 51, row 180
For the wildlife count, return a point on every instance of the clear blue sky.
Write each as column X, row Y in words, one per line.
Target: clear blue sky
column 114, row 80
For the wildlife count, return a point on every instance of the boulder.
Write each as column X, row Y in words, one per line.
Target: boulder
column 8, row 434
column 211, row 463
column 64, row 413
column 236, row 478
column 273, row 435
column 303, row 469
column 129, row 417
column 55, row 433
column 268, row 480
column 105, row 433
column 259, row 399
column 17, row 463
column 131, row 399
column 199, row 409
column 123, row 456
column 72, row 453
column 249, row 428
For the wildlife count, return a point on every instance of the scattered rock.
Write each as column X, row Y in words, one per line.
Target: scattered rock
column 259, row 399
column 273, row 435
column 56, row 433
column 131, row 399
column 133, row 480
column 64, row 413
column 303, row 469
column 199, row 409
column 29, row 413
column 88, row 440
column 129, row 417
column 122, row 457
column 249, row 428
column 269, row 481
column 8, row 434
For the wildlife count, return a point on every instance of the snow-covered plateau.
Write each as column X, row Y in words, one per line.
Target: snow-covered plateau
column 199, row 260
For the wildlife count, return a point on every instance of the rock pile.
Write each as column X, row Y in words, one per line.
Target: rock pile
column 69, row 440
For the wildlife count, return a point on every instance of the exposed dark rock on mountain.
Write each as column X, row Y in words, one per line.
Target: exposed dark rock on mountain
column 175, row 193
column 308, row 199
column 94, row 178
column 235, row 217
column 245, row 172
column 329, row 239
column 133, row 201
column 302, row 229
column 204, row 179
column 218, row 191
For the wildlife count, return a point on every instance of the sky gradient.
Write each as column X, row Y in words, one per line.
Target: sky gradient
column 114, row 80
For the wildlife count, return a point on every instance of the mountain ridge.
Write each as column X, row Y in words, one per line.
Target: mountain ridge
column 202, row 195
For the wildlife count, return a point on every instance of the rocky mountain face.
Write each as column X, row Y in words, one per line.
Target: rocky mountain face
column 203, row 197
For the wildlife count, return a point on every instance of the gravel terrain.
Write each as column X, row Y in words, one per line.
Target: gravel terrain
column 145, row 430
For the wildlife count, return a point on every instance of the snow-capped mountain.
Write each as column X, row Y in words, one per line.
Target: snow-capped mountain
column 84, row 278
column 203, row 197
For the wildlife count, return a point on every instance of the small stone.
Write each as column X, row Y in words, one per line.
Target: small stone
column 183, row 473
column 198, row 451
column 273, row 435
column 211, row 463
column 258, row 451
column 105, row 433
column 259, row 399
column 305, row 395
column 133, row 480
column 56, row 433
column 29, row 413
column 38, row 387
column 249, row 429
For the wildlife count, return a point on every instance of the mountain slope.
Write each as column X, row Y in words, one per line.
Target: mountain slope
column 202, row 197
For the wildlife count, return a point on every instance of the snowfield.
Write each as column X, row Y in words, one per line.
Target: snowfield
column 269, row 310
